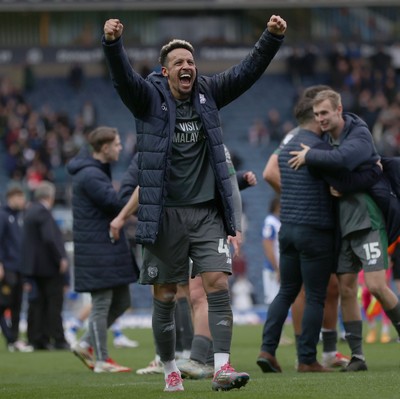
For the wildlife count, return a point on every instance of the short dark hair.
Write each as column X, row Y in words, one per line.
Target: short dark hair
column 172, row 45
column 303, row 111
column 100, row 136
column 312, row 91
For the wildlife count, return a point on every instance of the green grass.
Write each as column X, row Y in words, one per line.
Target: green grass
column 59, row 374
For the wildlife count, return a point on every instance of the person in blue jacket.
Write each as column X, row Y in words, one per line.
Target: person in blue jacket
column 185, row 198
column 103, row 267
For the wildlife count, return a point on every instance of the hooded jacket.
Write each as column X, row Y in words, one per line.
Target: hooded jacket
column 99, row 263
column 151, row 102
column 357, row 211
column 356, row 148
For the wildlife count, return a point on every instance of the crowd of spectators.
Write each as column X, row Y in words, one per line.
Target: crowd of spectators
column 370, row 88
column 36, row 143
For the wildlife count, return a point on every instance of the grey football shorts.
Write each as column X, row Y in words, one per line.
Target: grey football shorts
column 192, row 232
column 365, row 249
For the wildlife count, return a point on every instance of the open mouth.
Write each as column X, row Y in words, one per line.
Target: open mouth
column 185, row 79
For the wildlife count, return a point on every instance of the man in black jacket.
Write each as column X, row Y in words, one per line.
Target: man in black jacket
column 44, row 262
column 185, row 205
column 11, row 280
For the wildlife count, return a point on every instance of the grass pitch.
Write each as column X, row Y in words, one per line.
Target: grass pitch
column 59, row 374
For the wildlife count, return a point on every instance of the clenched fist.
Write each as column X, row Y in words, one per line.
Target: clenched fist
column 113, row 29
column 276, row 25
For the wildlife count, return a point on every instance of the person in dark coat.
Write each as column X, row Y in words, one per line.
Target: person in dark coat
column 103, row 266
column 185, row 202
column 11, row 279
column 44, row 263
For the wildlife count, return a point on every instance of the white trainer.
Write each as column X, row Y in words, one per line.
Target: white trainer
column 109, row 366
column 123, row 341
column 335, row 360
column 174, row 382
column 190, row 368
column 85, row 355
column 20, row 346
column 155, row 367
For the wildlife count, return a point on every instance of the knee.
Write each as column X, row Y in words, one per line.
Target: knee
column 347, row 292
column 166, row 297
column 198, row 298
column 332, row 292
column 165, row 293
column 376, row 289
column 215, row 282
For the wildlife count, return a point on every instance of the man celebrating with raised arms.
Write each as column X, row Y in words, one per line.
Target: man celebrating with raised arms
column 185, row 198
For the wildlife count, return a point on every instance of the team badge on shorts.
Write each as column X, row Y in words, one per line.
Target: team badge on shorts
column 152, row 271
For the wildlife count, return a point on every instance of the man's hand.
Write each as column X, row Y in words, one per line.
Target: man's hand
column 250, row 178
column 299, row 158
column 115, row 227
column 276, row 25
column 334, row 192
column 113, row 29
column 236, row 242
column 63, row 265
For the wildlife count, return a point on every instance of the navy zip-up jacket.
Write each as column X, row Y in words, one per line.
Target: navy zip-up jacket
column 151, row 102
column 356, row 148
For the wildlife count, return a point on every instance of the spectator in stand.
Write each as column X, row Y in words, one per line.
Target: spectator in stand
column 394, row 51
column 89, row 115
column 381, row 60
column 258, row 133
column 76, row 76
column 274, row 125
column 294, row 67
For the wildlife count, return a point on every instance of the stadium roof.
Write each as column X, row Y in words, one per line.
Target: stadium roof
column 63, row 5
